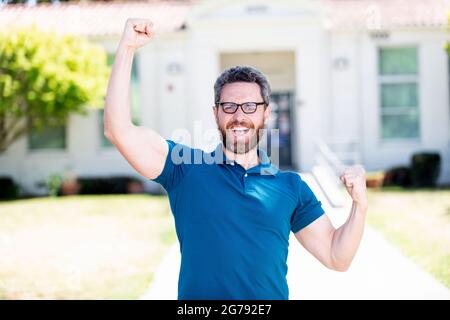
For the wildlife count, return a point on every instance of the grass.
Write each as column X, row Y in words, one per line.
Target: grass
column 418, row 222
column 82, row 247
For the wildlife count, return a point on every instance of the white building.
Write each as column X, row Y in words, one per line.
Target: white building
column 369, row 76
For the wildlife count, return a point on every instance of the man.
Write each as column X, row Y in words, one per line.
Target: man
column 234, row 209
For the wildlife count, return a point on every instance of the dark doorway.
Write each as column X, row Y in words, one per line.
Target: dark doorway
column 282, row 103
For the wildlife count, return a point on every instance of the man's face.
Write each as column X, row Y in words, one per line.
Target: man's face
column 240, row 130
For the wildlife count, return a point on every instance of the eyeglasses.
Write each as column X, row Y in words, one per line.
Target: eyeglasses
column 247, row 107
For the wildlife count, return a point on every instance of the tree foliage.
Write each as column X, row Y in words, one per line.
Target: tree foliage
column 45, row 76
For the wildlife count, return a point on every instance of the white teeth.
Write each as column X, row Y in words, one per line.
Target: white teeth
column 240, row 131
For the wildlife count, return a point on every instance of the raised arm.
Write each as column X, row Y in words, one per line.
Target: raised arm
column 336, row 248
column 143, row 148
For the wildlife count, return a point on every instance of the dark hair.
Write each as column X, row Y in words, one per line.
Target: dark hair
column 242, row 74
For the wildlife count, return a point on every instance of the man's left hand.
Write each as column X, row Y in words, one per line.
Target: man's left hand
column 354, row 178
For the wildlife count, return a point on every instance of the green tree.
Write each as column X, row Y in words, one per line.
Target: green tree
column 45, row 76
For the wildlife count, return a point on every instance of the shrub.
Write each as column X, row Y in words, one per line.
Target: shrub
column 8, row 188
column 425, row 169
column 53, row 184
column 105, row 185
column 398, row 176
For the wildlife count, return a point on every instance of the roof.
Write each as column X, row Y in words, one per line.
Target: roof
column 387, row 14
column 108, row 18
column 96, row 18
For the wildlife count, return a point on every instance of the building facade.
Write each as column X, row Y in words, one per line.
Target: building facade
column 370, row 79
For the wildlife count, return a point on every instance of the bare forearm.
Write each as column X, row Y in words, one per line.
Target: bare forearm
column 347, row 238
column 117, row 103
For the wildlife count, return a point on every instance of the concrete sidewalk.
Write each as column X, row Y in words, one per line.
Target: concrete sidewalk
column 379, row 271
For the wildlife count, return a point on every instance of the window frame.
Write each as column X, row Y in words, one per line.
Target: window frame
column 399, row 79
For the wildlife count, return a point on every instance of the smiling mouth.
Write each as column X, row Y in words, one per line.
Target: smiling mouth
column 240, row 131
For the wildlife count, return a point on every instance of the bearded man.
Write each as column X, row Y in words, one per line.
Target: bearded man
column 233, row 215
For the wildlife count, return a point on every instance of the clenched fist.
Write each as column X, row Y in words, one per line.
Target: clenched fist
column 137, row 33
column 354, row 178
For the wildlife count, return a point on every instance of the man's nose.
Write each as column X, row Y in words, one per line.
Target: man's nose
column 239, row 114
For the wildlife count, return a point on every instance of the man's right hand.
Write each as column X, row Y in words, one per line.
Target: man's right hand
column 137, row 33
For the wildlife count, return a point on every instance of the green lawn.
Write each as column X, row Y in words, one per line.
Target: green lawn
column 418, row 222
column 82, row 247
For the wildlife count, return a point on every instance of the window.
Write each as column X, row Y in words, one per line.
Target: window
column 399, row 93
column 49, row 137
column 135, row 100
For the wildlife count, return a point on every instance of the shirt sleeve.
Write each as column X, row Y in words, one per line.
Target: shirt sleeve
column 177, row 163
column 307, row 210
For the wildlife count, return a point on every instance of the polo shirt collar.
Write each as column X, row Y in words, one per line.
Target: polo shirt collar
column 265, row 167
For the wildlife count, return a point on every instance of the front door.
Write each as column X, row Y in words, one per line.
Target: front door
column 281, row 119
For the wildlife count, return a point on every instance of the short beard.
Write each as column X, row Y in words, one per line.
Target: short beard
column 241, row 147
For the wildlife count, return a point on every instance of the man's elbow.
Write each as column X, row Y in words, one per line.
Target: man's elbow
column 114, row 132
column 108, row 130
column 340, row 265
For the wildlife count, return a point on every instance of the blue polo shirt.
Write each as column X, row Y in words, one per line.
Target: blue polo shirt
column 233, row 224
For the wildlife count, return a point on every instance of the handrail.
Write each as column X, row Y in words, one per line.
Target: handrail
column 330, row 165
column 331, row 159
